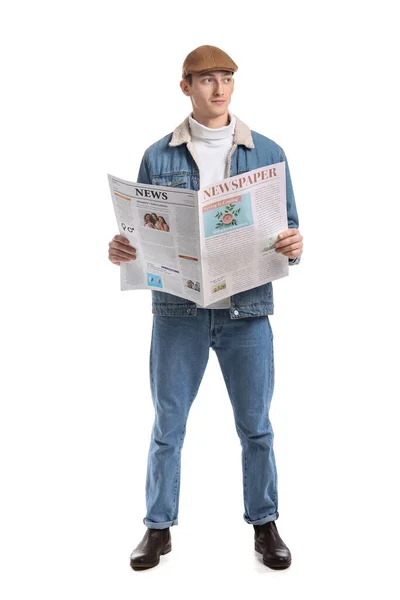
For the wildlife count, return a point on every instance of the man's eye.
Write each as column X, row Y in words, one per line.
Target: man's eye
column 227, row 79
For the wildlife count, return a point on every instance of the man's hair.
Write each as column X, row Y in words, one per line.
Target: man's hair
column 189, row 76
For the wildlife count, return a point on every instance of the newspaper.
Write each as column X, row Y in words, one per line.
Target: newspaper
column 203, row 245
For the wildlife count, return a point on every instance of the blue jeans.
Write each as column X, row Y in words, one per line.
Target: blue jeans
column 178, row 358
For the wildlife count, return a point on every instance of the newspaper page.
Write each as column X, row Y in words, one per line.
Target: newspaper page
column 240, row 219
column 208, row 245
column 162, row 224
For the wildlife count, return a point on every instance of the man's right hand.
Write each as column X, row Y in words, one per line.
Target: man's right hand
column 120, row 250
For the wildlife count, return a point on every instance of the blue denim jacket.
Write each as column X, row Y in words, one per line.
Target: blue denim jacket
column 172, row 161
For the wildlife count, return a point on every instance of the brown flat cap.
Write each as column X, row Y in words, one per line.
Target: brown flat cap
column 207, row 58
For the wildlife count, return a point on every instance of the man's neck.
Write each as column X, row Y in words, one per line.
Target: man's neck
column 212, row 122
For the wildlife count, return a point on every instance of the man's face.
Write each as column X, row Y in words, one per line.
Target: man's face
column 210, row 92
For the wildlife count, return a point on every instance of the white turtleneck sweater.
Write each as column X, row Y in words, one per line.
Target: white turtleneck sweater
column 212, row 147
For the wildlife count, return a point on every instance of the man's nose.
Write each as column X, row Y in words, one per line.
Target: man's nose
column 219, row 88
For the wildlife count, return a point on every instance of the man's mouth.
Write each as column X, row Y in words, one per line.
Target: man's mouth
column 218, row 101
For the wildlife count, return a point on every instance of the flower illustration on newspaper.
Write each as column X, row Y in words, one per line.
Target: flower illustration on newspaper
column 228, row 217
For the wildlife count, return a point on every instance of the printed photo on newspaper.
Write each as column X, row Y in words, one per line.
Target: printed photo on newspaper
column 203, row 245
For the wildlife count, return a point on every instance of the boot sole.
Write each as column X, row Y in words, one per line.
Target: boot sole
column 275, row 566
column 140, row 566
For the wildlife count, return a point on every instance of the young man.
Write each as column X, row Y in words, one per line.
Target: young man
column 208, row 146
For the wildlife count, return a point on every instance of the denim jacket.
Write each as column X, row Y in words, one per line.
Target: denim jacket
column 172, row 161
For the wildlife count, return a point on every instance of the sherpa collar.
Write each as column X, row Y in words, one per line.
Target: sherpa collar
column 241, row 135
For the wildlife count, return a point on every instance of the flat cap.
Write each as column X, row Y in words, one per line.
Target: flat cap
column 207, row 58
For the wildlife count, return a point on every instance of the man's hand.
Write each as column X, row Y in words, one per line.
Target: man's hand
column 290, row 243
column 120, row 250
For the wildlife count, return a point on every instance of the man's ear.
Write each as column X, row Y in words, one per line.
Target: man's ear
column 184, row 87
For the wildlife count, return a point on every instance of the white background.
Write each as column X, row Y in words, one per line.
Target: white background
column 86, row 88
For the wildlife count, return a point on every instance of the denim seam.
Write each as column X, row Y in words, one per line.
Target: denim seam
column 151, row 360
column 241, row 437
column 249, row 306
column 178, row 468
column 181, row 442
column 270, row 391
column 168, row 173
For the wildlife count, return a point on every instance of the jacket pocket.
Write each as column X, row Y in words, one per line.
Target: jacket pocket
column 173, row 180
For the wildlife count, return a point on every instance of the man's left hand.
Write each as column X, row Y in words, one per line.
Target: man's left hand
column 290, row 243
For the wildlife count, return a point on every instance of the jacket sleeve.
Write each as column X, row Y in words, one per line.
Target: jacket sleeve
column 144, row 173
column 292, row 216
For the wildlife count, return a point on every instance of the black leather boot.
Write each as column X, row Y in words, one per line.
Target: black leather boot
column 267, row 541
column 154, row 543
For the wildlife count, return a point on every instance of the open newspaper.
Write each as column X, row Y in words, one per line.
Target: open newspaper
column 203, row 245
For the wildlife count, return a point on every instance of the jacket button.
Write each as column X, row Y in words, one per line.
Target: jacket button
column 236, row 312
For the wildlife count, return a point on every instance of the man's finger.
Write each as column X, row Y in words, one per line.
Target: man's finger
column 287, row 241
column 121, row 238
column 123, row 247
column 121, row 255
column 287, row 233
column 292, row 254
column 290, row 248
